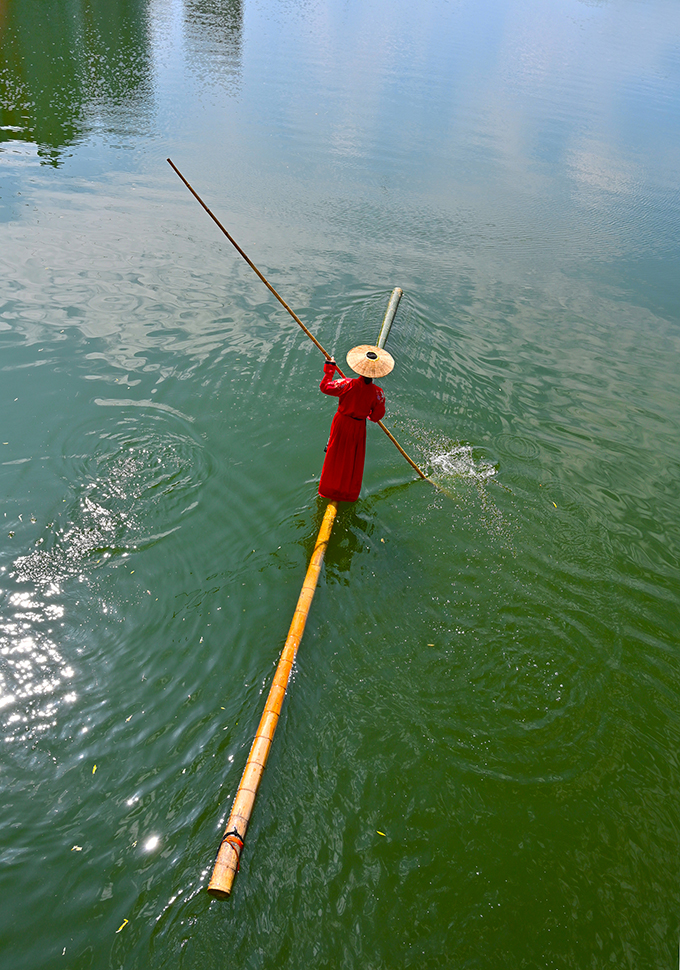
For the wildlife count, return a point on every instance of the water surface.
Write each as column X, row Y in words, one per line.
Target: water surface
column 476, row 765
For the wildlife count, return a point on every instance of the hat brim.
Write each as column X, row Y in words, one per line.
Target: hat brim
column 378, row 364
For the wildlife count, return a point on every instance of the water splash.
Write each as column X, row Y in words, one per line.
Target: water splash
column 455, row 468
column 459, row 461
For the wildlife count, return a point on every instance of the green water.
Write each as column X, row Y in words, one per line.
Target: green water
column 490, row 675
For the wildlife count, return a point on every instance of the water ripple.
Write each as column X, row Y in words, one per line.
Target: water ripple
column 132, row 484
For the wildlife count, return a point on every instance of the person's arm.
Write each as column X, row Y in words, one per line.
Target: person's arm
column 328, row 385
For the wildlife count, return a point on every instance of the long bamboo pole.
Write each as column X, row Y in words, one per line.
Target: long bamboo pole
column 228, row 856
column 398, row 446
column 285, row 305
column 251, row 263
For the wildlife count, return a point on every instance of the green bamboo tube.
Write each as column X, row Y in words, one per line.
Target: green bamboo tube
column 229, row 853
column 390, row 312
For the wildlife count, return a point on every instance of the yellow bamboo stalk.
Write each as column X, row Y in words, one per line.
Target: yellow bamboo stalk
column 229, row 853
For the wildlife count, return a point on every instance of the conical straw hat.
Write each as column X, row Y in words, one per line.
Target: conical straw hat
column 370, row 361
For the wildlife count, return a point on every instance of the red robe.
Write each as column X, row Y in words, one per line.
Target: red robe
column 343, row 468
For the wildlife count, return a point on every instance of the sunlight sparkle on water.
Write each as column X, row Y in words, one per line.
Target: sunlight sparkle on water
column 33, row 672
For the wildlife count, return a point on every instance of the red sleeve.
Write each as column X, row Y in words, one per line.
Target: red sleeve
column 328, row 385
column 377, row 412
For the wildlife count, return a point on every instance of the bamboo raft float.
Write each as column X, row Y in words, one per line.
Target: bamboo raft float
column 229, row 853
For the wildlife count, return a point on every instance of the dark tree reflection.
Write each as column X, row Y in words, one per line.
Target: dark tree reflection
column 70, row 67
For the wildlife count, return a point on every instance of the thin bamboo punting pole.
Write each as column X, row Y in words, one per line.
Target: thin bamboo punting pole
column 285, row 305
column 250, row 262
column 395, row 442
column 227, row 862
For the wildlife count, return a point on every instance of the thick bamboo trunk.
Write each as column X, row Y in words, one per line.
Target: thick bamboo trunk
column 227, row 862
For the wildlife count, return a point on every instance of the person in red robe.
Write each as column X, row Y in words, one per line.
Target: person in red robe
column 360, row 398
